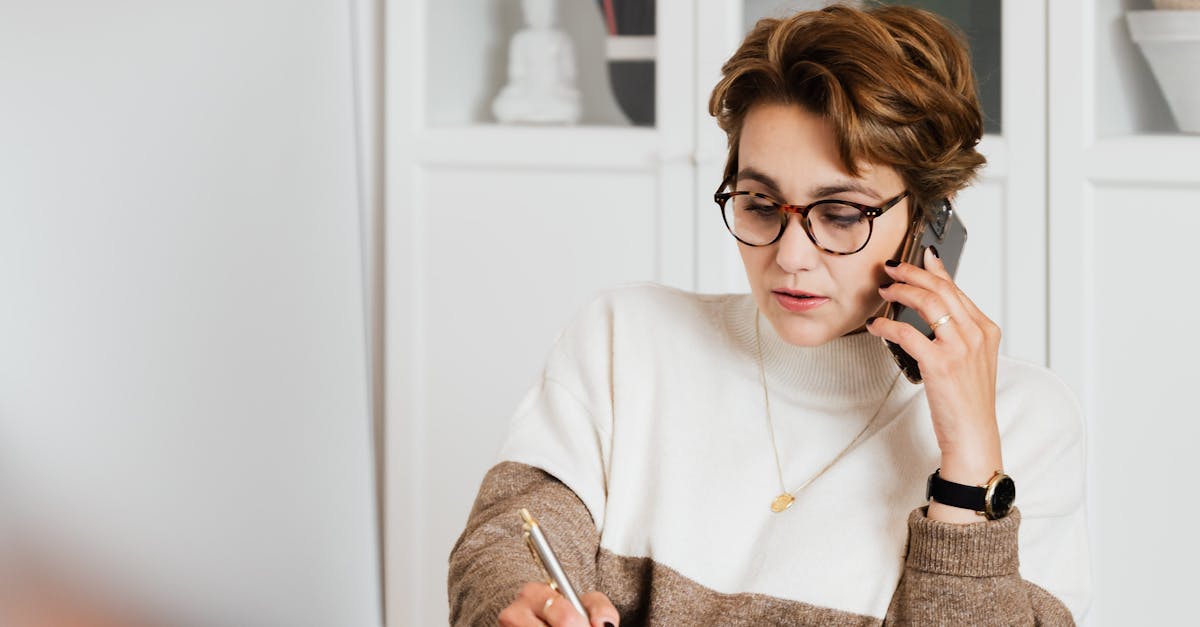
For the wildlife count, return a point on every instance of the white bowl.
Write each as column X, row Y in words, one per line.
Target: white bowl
column 1171, row 42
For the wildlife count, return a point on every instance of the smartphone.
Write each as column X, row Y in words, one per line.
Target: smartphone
column 942, row 229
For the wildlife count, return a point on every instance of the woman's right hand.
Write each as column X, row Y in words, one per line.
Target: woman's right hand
column 537, row 605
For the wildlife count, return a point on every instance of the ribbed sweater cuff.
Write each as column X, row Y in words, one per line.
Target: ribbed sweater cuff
column 982, row 549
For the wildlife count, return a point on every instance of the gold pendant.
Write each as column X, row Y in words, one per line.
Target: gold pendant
column 782, row 502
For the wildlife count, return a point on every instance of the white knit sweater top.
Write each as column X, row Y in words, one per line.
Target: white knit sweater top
column 651, row 410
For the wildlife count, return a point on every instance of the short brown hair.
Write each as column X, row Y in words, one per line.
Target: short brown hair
column 895, row 82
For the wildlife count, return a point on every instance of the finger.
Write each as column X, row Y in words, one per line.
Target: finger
column 557, row 611
column 523, row 612
column 941, row 284
column 971, row 322
column 935, row 265
column 519, row 614
column 600, row 610
column 929, row 305
column 906, row 335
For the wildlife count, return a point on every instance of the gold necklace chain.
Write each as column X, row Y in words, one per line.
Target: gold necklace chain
column 786, row 498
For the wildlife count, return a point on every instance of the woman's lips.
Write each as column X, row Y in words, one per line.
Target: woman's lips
column 793, row 302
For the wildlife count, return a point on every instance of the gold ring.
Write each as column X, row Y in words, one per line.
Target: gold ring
column 549, row 602
column 939, row 322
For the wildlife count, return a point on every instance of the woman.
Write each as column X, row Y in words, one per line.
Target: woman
column 758, row 459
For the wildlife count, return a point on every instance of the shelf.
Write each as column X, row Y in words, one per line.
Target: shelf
column 614, row 148
column 1143, row 158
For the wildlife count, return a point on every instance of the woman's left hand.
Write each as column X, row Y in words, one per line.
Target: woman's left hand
column 958, row 366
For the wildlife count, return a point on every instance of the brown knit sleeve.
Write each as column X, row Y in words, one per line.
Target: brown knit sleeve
column 968, row 575
column 490, row 562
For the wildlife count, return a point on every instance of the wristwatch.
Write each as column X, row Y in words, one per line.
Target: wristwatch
column 993, row 499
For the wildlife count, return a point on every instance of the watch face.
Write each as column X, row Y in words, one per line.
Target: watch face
column 1003, row 496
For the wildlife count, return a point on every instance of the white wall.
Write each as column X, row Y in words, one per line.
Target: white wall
column 183, row 381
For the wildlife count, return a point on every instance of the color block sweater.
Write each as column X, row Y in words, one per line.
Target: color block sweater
column 645, row 452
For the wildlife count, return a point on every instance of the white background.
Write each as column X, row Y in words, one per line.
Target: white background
column 202, row 308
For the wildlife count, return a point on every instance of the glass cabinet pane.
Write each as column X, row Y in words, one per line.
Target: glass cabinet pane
column 472, row 55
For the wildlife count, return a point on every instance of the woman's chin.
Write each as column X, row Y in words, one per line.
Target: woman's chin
column 800, row 332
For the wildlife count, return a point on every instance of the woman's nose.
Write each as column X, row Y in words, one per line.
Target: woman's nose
column 796, row 252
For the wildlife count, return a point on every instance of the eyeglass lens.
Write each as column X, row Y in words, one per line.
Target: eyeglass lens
column 835, row 226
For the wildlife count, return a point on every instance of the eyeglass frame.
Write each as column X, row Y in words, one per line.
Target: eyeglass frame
column 803, row 210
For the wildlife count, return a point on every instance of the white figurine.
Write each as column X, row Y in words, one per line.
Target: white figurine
column 541, row 71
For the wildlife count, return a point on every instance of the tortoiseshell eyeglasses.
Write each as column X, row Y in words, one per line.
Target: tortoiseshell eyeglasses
column 839, row 227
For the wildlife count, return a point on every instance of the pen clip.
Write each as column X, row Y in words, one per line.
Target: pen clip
column 552, row 570
column 528, row 528
column 538, row 560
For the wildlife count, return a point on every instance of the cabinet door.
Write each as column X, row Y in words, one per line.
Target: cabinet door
column 496, row 236
column 1124, row 193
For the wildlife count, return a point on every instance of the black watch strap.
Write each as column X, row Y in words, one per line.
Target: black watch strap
column 955, row 494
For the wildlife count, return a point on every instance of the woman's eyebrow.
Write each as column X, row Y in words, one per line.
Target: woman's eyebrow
column 752, row 174
column 819, row 191
column 843, row 186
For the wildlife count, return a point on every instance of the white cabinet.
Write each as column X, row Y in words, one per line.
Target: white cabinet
column 1124, row 200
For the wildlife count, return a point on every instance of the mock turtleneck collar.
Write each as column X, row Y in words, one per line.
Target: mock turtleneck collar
column 854, row 368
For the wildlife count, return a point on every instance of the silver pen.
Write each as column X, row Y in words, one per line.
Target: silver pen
column 544, row 555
